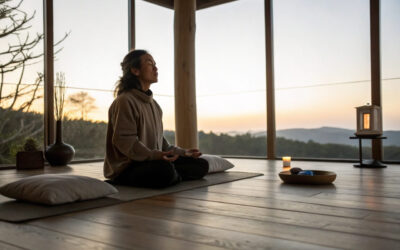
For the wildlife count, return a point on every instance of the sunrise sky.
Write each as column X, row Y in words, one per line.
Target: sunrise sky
column 322, row 67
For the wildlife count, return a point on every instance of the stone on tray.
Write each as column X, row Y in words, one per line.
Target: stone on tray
column 306, row 172
column 295, row 170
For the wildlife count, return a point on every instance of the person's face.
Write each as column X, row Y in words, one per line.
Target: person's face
column 148, row 71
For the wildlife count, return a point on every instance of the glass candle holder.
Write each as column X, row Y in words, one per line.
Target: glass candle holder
column 286, row 161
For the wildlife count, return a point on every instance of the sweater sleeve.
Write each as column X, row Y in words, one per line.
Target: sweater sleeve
column 167, row 147
column 125, row 135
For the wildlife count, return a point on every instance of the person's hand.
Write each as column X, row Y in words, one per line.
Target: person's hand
column 195, row 153
column 169, row 156
column 166, row 156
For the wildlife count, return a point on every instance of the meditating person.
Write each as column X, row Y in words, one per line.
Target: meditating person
column 137, row 153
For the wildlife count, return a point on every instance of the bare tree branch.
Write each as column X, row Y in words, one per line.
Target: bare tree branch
column 22, row 132
column 27, row 105
column 18, row 52
column 16, row 25
column 1, row 83
column 17, row 88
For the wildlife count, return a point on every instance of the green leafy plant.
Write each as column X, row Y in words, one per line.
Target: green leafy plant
column 31, row 145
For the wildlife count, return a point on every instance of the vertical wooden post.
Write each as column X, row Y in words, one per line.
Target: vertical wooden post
column 185, row 87
column 269, row 51
column 375, row 68
column 48, row 72
column 131, row 25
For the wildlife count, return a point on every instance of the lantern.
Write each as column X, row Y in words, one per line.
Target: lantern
column 369, row 120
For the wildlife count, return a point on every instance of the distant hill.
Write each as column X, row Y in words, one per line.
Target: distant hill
column 330, row 135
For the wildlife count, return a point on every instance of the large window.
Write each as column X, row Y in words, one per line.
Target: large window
column 21, row 72
column 230, row 79
column 321, row 63
column 90, row 60
column 156, row 35
column 390, row 49
column 322, row 72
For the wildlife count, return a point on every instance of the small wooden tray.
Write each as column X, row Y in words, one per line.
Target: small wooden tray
column 319, row 178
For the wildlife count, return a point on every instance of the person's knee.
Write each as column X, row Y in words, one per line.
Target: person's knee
column 166, row 175
column 193, row 169
column 203, row 164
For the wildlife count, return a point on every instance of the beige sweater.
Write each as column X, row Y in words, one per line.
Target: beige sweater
column 134, row 132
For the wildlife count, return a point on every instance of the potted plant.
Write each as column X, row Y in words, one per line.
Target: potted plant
column 31, row 157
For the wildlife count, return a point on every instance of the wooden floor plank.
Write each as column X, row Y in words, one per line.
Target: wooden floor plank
column 31, row 237
column 304, row 219
column 390, row 217
column 192, row 232
column 6, row 246
column 122, row 235
column 393, row 217
column 274, row 204
column 361, row 210
column 168, row 210
column 336, row 188
column 378, row 200
column 299, row 196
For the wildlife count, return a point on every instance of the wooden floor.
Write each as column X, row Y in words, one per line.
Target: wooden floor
column 360, row 211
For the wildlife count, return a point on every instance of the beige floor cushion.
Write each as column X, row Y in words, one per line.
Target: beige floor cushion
column 52, row 189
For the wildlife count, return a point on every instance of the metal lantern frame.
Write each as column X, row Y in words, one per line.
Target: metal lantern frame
column 369, row 120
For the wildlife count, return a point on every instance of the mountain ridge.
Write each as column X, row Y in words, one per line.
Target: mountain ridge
column 329, row 135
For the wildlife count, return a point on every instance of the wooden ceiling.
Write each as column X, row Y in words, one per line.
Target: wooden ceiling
column 201, row 4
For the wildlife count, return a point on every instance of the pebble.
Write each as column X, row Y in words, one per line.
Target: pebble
column 306, row 172
column 295, row 170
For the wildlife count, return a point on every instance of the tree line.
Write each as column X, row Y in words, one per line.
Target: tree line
column 88, row 139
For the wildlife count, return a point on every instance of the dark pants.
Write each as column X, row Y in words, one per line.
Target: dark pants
column 159, row 174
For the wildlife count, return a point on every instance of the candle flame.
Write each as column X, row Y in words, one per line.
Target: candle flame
column 366, row 119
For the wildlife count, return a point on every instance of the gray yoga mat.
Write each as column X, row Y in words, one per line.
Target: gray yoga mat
column 18, row 211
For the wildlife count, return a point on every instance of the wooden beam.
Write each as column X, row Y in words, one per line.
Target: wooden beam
column 203, row 4
column 269, row 51
column 200, row 4
column 48, row 72
column 163, row 3
column 131, row 25
column 185, row 87
column 375, row 68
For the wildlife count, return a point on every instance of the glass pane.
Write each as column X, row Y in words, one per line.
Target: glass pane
column 90, row 59
column 230, row 79
column 390, row 49
column 322, row 72
column 149, row 33
column 86, row 118
column 21, row 85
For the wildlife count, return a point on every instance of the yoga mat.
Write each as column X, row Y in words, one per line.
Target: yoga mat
column 19, row 211
column 127, row 193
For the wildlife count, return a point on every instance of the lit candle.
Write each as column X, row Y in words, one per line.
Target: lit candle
column 366, row 119
column 286, row 161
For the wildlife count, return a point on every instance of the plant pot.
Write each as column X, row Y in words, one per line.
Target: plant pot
column 30, row 160
column 59, row 153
